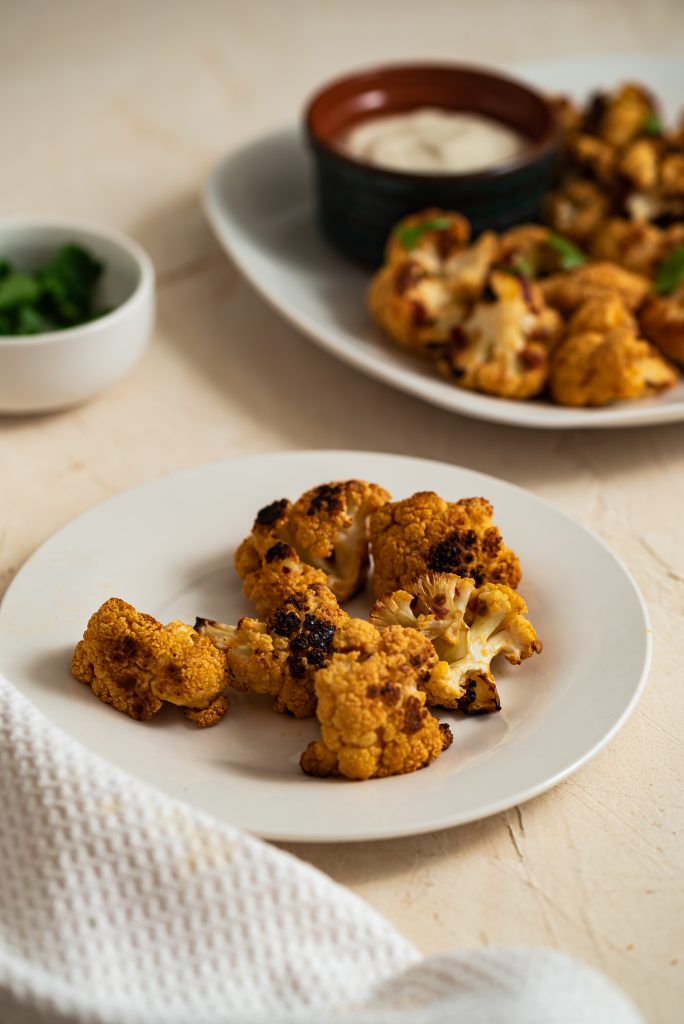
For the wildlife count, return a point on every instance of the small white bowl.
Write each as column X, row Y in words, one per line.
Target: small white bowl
column 43, row 372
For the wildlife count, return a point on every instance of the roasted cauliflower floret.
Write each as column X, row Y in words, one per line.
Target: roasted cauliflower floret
column 525, row 251
column 430, row 237
column 502, row 348
column 133, row 662
column 620, row 116
column 467, row 272
column 598, row 367
column 601, row 314
column 328, row 527
column 634, row 245
column 372, row 712
column 412, row 307
column 592, row 157
column 468, row 627
column 618, row 161
column 577, row 209
column 421, row 295
column 662, row 320
column 322, row 538
column 425, row 533
column 281, row 574
column 435, row 604
column 270, row 568
column 567, row 291
column 638, row 165
column 568, row 114
column 281, row 657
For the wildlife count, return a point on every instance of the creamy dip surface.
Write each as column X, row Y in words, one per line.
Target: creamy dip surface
column 433, row 140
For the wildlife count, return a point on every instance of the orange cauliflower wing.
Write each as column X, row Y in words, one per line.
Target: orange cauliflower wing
column 619, row 116
column 281, row 657
column 431, row 237
column 430, row 276
column 595, row 367
column 413, row 307
column 322, row 538
column 569, row 290
column 328, row 527
column 633, row 244
column 373, row 718
column 468, row 627
column 426, row 533
column 662, row 320
column 133, row 662
column 502, row 347
column 577, row 209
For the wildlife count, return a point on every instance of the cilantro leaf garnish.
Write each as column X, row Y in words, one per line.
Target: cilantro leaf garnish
column 670, row 272
column 68, row 282
column 18, row 289
column 652, row 125
column 524, row 267
column 60, row 294
column 570, row 255
column 410, row 235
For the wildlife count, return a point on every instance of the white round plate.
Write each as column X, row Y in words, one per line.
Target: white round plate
column 260, row 204
column 167, row 547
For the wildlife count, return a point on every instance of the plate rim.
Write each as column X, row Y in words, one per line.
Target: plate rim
column 443, row 821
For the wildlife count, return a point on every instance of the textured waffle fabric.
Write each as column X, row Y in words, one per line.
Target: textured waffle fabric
column 119, row 905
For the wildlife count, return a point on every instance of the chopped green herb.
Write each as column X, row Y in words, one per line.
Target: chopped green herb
column 524, row 267
column 61, row 294
column 30, row 320
column 652, row 125
column 570, row 255
column 18, row 289
column 670, row 272
column 410, row 235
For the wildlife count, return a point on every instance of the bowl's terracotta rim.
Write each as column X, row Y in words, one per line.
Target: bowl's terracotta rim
column 535, row 152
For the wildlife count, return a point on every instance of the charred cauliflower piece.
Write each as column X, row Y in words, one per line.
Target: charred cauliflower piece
column 281, row 657
column 412, row 307
column 435, row 604
column 634, row 245
column 567, row 291
column 598, row 366
column 620, row 116
column 577, row 209
column 602, row 314
column 270, row 568
column 425, row 533
column 638, row 165
column 134, row 663
column 328, row 527
column 373, row 718
column 468, row 627
column 321, row 539
column 662, row 320
column 502, row 348
column 525, row 251
column 422, row 292
column 429, row 237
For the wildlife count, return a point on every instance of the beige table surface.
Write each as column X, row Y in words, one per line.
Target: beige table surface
column 116, row 112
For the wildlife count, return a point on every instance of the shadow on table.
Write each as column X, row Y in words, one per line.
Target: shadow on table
column 359, row 864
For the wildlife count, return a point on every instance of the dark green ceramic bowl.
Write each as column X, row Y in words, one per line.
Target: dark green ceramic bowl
column 359, row 204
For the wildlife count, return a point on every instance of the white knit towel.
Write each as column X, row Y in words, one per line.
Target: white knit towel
column 119, row 905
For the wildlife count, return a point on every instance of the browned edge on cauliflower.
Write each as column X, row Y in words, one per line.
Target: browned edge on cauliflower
column 133, row 662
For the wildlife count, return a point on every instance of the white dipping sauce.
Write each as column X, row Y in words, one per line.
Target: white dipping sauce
column 433, row 140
